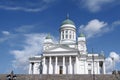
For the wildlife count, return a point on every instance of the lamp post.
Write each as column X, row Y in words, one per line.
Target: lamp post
column 93, row 67
column 11, row 76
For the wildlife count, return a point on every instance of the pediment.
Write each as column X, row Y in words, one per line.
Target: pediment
column 60, row 48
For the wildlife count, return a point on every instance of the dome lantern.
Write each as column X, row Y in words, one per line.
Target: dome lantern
column 48, row 37
column 68, row 21
column 81, row 35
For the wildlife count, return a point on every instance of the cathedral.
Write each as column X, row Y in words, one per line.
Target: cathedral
column 68, row 56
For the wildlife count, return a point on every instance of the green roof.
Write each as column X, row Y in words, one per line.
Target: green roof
column 81, row 35
column 68, row 21
column 48, row 37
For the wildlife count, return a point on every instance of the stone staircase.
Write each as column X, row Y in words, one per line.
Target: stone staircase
column 61, row 77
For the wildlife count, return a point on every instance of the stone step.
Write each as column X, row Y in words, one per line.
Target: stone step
column 62, row 77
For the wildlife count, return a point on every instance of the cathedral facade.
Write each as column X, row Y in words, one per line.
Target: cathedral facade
column 69, row 56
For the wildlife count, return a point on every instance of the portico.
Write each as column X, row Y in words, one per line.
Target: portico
column 59, row 64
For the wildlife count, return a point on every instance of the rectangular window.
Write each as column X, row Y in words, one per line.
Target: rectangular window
column 89, row 71
column 89, row 64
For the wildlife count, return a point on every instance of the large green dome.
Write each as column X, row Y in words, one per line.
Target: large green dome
column 68, row 21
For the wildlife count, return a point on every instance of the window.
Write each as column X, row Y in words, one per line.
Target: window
column 89, row 71
column 89, row 64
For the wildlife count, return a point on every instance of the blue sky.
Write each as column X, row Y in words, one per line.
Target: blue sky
column 25, row 23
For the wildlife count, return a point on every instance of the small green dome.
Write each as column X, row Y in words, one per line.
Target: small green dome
column 81, row 35
column 68, row 21
column 48, row 37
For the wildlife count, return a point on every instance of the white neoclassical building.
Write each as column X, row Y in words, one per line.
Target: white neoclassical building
column 68, row 56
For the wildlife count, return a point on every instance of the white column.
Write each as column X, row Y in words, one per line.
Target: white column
column 68, row 34
column 50, row 66
column 61, row 35
column 64, row 34
column 76, row 63
column 56, row 63
column 30, row 68
column 34, row 68
column 44, row 66
column 74, row 35
column 64, row 66
column 70, row 65
column 98, row 68
column 104, row 72
column 85, row 69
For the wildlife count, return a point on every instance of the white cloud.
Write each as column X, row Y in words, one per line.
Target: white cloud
column 25, row 5
column 3, row 39
column 112, row 61
column 97, row 5
column 5, row 36
column 96, row 28
column 25, row 28
column 33, row 46
column 23, row 8
column 116, row 23
column 5, row 32
column 115, row 56
column 93, row 28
